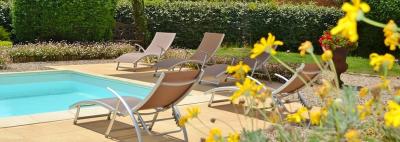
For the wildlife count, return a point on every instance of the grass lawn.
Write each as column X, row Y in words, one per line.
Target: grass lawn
column 356, row 64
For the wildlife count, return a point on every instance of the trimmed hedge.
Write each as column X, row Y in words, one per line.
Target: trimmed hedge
column 71, row 20
column 61, row 51
column 243, row 23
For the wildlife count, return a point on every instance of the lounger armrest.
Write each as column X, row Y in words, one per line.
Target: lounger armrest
column 281, row 77
column 161, row 51
column 222, row 89
column 141, row 49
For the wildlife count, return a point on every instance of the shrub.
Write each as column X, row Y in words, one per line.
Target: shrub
column 4, row 35
column 71, row 20
column 61, row 51
column 5, row 18
column 243, row 23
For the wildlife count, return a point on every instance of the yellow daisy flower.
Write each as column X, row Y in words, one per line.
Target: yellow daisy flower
column 249, row 88
column 327, row 55
column 391, row 34
column 352, row 135
column 392, row 116
column 365, row 110
column 233, row 137
column 305, row 47
column 324, row 89
column 315, row 117
column 347, row 26
column 363, row 92
column 215, row 135
column 192, row 112
column 239, row 71
column 377, row 61
column 265, row 45
column 298, row 116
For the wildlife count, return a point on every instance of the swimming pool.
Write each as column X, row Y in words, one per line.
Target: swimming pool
column 50, row 91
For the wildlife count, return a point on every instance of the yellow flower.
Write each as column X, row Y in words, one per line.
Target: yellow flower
column 305, row 47
column 192, row 112
column 183, row 120
column 392, row 116
column 347, row 26
column 391, row 34
column 274, row 117
column 248, row 88
column 233, row 137
column 377, row 61
column 352, row 135
column 315, row 117
column 397, row 93
column 324, row 89
column 240, row 70
column 363, row 92
column 384, row 83
column 365, row 110
column 214, row 135
column 327, row 55
column 265, row 45
column 298, row 116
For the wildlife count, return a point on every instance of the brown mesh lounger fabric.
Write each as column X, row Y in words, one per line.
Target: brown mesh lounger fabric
column 207, row 48
column 169, row 90
column 218, row 71
column 158, row 46
column 308, row 72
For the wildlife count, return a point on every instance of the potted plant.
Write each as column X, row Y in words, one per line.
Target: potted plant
column 340, row 47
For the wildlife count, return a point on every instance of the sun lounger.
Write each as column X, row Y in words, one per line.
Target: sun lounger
column 214, row 73
column 207, row 48
column 309, row 72
column 169, row 90
column 160, row 44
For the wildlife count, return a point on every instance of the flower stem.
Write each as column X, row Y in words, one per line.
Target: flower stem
column 316, row 60
column 373, row 23
column 291, row 70
column 332, row 66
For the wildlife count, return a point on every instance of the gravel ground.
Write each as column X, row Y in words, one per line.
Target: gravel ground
column 356, row 80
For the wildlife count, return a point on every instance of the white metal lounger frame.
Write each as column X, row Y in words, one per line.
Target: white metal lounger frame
column 199, row 63
column 142, row 50
column 256, row 66
column 275, row 92
column 132, row 111
column 147, row 55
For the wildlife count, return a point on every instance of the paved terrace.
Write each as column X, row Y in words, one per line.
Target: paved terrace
column 47, row 129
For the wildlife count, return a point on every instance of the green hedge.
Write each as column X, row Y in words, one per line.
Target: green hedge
column 242, row 23
column 5, row 18
column 72, row 20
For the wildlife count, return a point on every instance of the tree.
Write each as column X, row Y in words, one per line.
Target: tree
column 140, row 19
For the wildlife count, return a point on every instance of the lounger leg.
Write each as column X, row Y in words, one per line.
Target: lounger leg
column 114, row 115
column 117, row 66
column 155, row 72
column 78, row 109
column 144, row 125
column 153, row 121
column 211, row 100
column 134, row 66
column 177, row 116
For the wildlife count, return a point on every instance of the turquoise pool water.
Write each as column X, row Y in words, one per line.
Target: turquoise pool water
column 40, row 92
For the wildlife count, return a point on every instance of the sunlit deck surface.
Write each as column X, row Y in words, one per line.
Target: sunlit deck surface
column 92, row 130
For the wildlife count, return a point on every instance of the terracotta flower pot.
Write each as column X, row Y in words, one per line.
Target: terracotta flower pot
column 339, row 59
